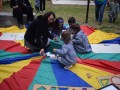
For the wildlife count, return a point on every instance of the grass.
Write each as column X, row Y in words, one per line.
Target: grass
column 79, row 12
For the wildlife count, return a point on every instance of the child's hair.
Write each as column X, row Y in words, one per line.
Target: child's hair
column 59, row 20
column 76, row 27
column 66, row 37
column 71, row 20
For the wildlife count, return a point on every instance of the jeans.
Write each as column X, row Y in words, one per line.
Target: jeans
column 99, row 11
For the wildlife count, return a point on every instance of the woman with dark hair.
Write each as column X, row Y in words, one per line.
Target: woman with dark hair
column 37, row 36
column 57, row 28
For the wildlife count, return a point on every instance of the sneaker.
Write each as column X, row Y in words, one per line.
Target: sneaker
column 20, row 26
column 44, row 11
column 68, row 67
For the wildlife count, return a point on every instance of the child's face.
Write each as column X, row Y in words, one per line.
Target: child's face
column 71, row 24
column 75, row 31
column 60, row 24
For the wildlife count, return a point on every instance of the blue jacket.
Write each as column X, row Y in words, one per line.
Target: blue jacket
column 80, row 43
column 100, row 1
column 67, row 54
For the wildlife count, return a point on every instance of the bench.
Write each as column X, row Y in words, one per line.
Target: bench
column 7, row 19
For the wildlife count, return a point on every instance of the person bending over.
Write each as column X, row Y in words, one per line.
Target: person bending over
column 37, row 36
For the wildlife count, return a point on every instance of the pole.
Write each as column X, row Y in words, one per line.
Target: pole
column 88, row 2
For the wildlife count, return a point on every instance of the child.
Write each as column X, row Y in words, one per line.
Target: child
column 56, row 30
column 37, row 5
column 80, row 41
column 71, row 21
column 67, row 53
column 113, row 11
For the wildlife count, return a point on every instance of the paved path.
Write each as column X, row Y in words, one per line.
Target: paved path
column 78, row 2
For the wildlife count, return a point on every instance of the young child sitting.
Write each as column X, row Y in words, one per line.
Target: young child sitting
column 80, row 41
column 58, row 26
column 113, row 11
column 71, row 22
column 67, row 53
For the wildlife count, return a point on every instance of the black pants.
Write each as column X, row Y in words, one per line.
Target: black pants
column 18, row 13
column 42, row 5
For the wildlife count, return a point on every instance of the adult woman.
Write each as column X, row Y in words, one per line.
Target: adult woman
column 37, row 36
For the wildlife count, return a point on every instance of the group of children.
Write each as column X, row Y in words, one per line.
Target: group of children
column 75, row 41
column 72, row 45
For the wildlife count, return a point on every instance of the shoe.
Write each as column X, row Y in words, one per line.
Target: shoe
column 68, row 67
column 20, row 26
column 40, row 11
column 44, row 11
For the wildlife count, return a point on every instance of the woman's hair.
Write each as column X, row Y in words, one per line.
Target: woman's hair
column 47, row 14
column 66, row 37
column 76, row 26
column 71, row 20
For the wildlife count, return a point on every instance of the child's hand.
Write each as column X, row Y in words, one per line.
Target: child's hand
column 55, row 39
column 54, row 50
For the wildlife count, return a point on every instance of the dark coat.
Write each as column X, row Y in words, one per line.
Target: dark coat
column 20, row 3
column 24, row 7
column 38, row 33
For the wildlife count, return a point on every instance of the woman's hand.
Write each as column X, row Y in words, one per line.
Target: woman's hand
column 55, row 39
column 42, row 52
